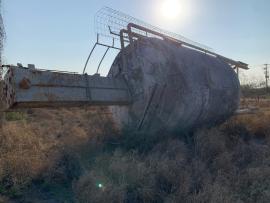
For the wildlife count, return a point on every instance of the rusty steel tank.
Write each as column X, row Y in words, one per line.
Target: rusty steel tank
column 158, row 81
column 153, row 85
column 173, row 87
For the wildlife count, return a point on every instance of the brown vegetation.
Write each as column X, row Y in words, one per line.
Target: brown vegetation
column 73, row 156
column 41, row 146
column 225, row 164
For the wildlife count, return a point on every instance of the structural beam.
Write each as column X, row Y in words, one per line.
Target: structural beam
column 30, row 87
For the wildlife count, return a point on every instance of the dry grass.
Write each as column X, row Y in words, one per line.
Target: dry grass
column 255, row 102
column 229, row 163
column 63, row 151
column 35, row 145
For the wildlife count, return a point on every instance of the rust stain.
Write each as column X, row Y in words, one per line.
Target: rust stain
column 25, row 83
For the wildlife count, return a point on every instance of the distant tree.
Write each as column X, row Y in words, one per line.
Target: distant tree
column 2, row 36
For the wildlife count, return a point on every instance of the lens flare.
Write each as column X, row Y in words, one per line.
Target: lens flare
column 171, row 9
column 100, row 185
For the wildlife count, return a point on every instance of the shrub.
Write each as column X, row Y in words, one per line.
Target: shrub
column 73, row 155
column 15, row 116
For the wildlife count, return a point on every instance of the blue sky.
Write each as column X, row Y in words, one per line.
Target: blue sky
column 58, row 34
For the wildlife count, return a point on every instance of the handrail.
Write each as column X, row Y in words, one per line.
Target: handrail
column 238, row 64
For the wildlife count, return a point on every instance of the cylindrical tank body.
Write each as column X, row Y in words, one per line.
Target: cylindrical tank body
column 174, row 87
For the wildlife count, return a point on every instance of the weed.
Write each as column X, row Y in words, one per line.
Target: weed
column 15, row 116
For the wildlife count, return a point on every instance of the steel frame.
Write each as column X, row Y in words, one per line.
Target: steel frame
column 97, row 43
column 124, row 28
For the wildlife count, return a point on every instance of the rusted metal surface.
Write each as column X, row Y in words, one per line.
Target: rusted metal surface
column 174, row 87
column 25, row 87
column 25, row 83
column 158, row 81
column 154, row 84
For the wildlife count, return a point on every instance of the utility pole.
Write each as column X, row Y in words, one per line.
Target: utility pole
column 266, row 73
